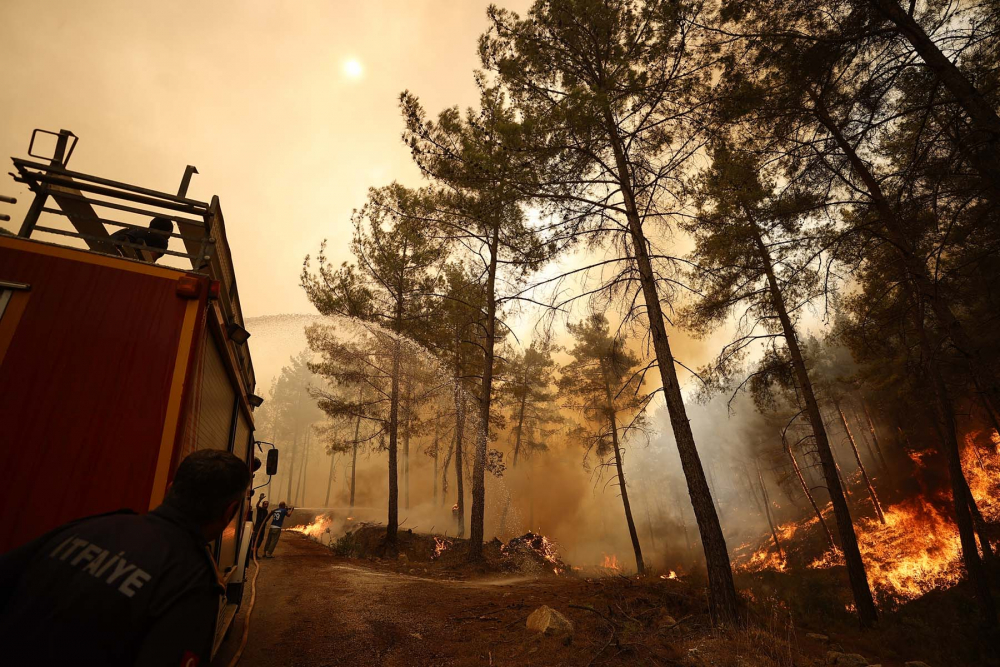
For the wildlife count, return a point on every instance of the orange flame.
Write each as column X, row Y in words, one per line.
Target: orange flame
column 440, row 545
column 319, row 525
column 918, row 549
column 611, row 563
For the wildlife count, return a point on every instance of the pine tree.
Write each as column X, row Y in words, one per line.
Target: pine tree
column 528, row 389
column 607, row 92
column 479, row 210
column 388, row 287
column 603, row 383
column 754, row 250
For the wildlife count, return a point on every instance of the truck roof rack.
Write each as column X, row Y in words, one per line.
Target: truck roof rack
column 88, row 203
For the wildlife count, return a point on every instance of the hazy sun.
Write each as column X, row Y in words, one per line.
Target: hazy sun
column 353, row 68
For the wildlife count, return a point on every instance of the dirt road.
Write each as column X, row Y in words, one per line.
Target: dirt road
column 315, row 609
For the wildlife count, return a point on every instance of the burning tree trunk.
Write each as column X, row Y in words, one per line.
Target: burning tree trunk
column 805, row 489
column 613, row 426
column 860, row 587
column 767, row 510
column 861, row 466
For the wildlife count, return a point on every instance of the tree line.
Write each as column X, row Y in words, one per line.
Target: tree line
column 833, row 159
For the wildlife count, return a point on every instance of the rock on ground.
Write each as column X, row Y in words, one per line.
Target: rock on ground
column 548, row 621
column 846, row 659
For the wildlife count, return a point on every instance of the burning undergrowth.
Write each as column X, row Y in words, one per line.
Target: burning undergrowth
column 318, row 529
column 528, row 554
column 916, row 550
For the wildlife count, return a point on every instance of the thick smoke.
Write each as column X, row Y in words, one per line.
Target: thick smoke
column 556, row 492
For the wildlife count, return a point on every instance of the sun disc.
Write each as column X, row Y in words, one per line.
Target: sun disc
column 353, row 68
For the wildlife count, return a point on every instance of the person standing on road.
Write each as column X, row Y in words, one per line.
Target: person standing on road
column 274, row 532
column 260, row 520
column 124, row 589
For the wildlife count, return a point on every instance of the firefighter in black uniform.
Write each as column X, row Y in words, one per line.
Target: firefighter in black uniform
column 125, row 589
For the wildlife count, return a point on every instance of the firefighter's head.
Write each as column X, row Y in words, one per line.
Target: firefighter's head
column 208, row 487
column 164, row 226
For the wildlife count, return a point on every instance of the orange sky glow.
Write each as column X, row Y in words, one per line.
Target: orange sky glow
column 289, row 110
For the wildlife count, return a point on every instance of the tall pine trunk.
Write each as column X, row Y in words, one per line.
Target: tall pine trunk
column 613, row 425
column 406, row 450
column 860, row 588
column 459, row 436
column 962, row 499
column 287, row 482
column 722, row 590
column 305, row 465
column 923, row 290
column 477, row 519
column 393, row 523
column 866, row 438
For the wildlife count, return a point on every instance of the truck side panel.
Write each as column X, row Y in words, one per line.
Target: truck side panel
column 84, row 385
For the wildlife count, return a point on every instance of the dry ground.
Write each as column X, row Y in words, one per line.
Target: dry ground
column 314, row 609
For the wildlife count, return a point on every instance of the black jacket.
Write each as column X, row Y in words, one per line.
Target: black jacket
column 116, row 589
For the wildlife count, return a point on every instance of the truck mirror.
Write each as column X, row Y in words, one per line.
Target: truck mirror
column 272, row 462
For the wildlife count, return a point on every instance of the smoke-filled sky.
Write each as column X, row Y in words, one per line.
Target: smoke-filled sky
column 288, row 109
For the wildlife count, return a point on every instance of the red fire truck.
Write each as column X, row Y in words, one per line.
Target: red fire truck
column 113, row 367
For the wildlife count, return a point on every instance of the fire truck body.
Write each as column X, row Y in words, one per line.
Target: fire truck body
column 113, row 368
